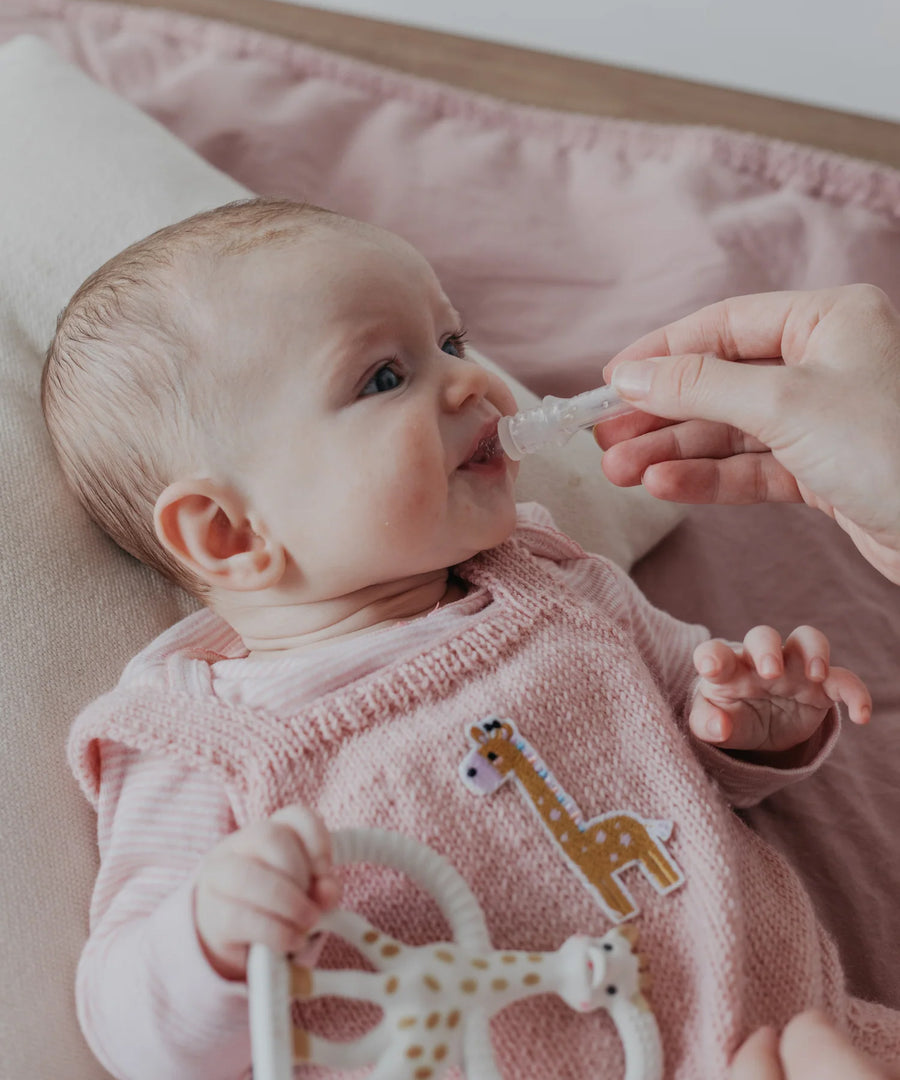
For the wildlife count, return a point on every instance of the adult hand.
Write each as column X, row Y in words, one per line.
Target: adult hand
column 809, row 1049
column 817, row 421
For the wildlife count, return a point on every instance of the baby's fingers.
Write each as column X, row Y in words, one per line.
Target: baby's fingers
column 276, row 847
column 238, row 902
column 314, row 841
column 241, row 881
column 716, row 661
column 311, row 831
column 764, row 652
column 710, row 723
column 807, row 650
column 846, row 686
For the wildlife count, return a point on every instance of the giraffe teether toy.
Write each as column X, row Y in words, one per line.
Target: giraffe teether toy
column 437, row 999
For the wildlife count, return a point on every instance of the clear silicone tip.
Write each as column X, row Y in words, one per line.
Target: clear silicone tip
column 555, row 421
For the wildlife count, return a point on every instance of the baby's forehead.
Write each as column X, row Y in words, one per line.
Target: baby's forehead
column 322, row 266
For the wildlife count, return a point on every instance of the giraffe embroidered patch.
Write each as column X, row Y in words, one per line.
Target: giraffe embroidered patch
column 598, row 850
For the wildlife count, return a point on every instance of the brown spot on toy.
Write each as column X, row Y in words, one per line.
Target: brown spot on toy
column 301, row 982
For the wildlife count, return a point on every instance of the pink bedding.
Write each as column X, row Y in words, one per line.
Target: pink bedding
column 562, row 238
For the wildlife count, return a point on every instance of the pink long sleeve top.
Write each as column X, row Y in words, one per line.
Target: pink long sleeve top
column 196, row 741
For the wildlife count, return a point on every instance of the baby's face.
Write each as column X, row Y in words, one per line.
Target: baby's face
column 367, row 439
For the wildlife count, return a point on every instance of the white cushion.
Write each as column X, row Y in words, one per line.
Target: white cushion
column 83, row 174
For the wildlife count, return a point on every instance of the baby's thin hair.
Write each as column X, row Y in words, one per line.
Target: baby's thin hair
column 126, row 396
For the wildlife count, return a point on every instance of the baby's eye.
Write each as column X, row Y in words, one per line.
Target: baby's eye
column 455, row 345
column 387, row 377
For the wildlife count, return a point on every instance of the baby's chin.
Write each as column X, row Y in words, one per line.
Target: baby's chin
column 494, row 534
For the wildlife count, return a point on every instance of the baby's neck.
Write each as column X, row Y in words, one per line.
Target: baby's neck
column 272, row 630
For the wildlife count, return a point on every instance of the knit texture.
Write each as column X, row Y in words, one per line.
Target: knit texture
column 598, row 682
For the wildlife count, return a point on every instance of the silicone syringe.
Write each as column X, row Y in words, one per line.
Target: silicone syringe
column 555, row 421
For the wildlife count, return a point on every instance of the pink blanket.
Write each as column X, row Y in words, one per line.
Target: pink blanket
column 562, row 238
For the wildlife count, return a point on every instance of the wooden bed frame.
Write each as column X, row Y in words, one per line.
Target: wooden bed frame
column 555, row 82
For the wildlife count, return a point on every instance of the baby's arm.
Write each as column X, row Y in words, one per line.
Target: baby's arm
column 766, row 696
column 149, row 1001
column 147, row 998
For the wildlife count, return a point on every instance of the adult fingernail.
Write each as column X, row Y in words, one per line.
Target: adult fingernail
column 633, row 378
column 708, row 667
column 769, row 667
column 817, row 669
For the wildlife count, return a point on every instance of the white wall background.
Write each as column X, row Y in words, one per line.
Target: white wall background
column 841, row 54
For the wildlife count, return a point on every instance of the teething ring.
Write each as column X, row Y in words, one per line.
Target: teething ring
column 437, row 999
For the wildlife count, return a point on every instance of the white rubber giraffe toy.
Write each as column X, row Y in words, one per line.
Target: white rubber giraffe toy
column 437, row 999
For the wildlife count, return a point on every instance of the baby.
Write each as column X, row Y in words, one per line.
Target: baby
column 272, row 405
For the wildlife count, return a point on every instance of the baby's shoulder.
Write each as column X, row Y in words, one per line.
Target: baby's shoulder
column 202, row 636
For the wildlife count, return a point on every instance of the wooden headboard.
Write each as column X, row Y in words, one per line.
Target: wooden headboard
column 552, row 81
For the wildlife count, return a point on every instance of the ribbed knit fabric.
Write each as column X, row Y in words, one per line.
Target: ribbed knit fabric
column 599, row 683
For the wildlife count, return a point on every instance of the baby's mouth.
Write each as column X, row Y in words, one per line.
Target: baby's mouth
column 487, row 456
column 487, row 449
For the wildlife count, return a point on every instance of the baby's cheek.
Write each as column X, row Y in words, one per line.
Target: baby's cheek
column 414, row 506
column 400, row 491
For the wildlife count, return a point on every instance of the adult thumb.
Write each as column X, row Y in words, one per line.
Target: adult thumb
column 812, row 1046
column 701, row 387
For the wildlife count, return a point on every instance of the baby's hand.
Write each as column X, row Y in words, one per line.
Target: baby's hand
column 267, row 883
column 768, row 697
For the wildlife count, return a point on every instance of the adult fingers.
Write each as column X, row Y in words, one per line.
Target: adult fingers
column 748, row 478
column 698, row 461
column 627, row 425
column 704, row 387
column 740, row 328
column 732, row 329
column 757, row 1059
column 811, row 1046
column 685, row 439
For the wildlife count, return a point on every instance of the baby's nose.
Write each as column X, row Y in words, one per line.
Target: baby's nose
column 464, row 380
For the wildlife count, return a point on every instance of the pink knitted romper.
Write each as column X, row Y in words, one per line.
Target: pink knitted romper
column 598, row 682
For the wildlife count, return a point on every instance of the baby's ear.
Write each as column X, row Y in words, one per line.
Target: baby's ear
column 204, row 526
